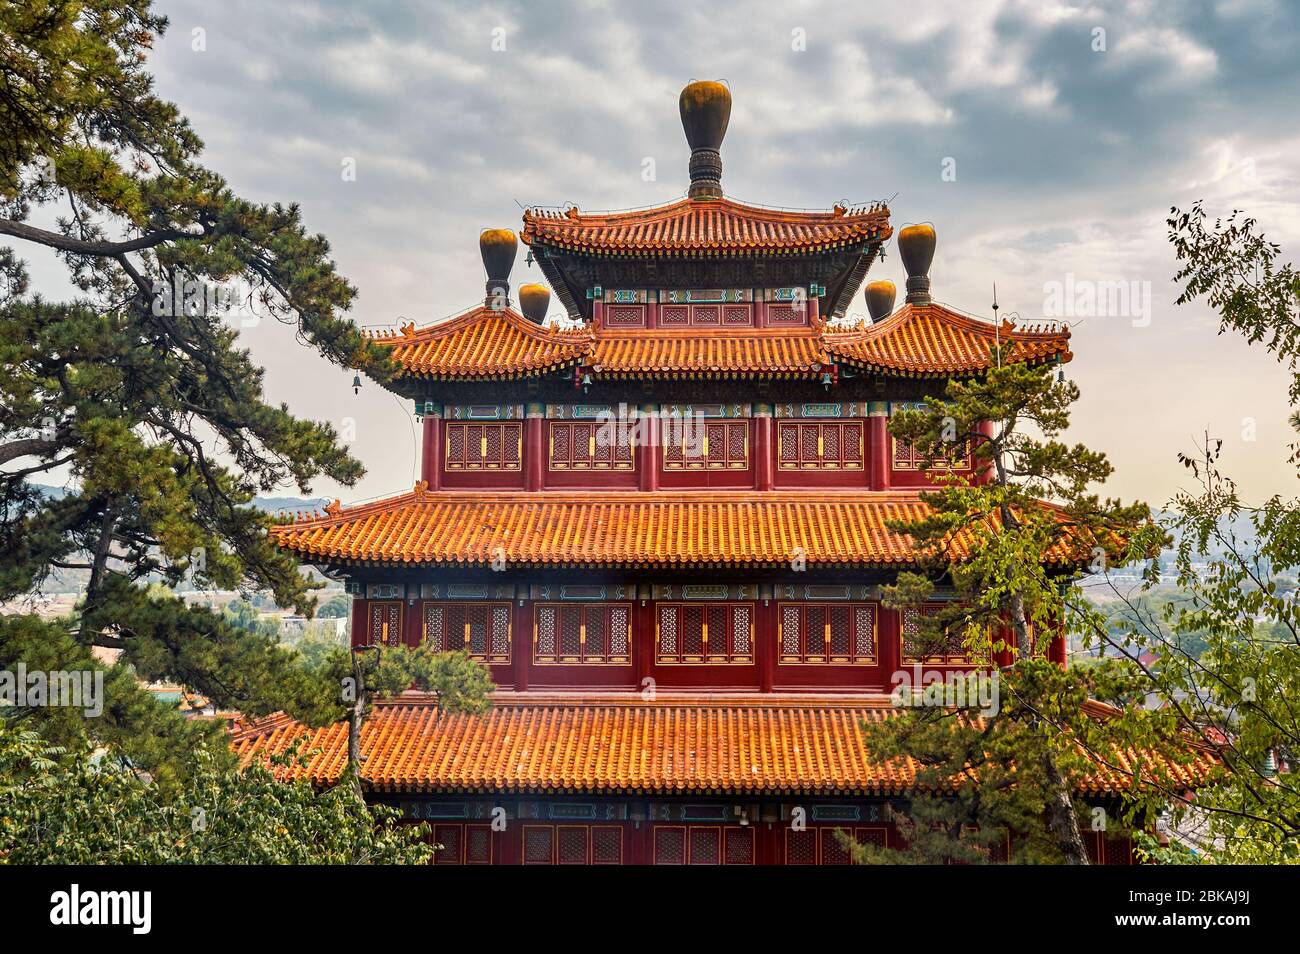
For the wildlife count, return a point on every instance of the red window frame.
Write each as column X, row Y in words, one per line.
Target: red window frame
column 809, row 632
column 905, row 457
column 471, row 626
column 585, row 445
column 573, row 844
column 483, row 445
column 820, row 845
column 555, row 626
column 703, row 845
column 384, row 623
column 812, row 440
column 724, row 445
column 458, row 838
column 954, row 651
column 676, row 644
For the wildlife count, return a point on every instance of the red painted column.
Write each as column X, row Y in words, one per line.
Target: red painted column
column 878, row 451
column 650, row 452
column 1056, row 648
column 598, row 313
column 535, row 450
column 643, row 637
column 764, row 449
column 431, row 448
column 814, row 309
column 521, row 642
column 765, row 643
column 412, row 618
column 360, row 611
column 891, row 645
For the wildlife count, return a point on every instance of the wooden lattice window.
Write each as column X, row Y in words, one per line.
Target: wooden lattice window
column 625, row 316
column 590, row 445
column 573, row 845
column 706, row 632
column 669, row 845
column 737, row 315
column 574, row 633
column 692, row 444
column 823, row 844
column 385, row 623
column 463, row 844
column 703, row 845
column 484, row 445
column 820, row 445
column 918, row 646
column 705, row 315
column 906, row 457
column 481, row 629
column 786, row 315
column 827, row 632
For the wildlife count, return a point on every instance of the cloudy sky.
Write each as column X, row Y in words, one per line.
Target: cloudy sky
column 1061, row 158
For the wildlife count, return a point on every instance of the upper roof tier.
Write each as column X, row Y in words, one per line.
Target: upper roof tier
column 708, row 228
column 696, row 241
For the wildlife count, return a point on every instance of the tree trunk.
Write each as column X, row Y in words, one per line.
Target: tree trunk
column 1061, row 819
column 356, row 715
column 1020, row 624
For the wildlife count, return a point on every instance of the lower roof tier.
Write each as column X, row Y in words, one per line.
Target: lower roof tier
column 627, row 745
column 620, row 528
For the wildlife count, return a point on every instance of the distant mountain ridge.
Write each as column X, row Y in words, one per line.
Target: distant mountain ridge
column 269, row 504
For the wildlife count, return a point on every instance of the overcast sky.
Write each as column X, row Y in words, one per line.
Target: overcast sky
column 1036, row 155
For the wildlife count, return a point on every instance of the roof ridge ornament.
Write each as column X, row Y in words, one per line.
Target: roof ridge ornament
column 705, row 107
column 534, row 301
column 498, row 248
column 880, row 297
column 916, row 248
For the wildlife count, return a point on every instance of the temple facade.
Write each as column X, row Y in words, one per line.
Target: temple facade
column 662, row 526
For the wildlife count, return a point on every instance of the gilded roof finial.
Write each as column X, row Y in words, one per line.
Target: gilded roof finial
column 916, row 248
column 705, row 108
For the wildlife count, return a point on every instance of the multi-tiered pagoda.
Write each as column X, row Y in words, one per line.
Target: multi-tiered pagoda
column 663, row 528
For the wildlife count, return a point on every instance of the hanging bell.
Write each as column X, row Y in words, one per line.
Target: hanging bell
column 356, row 384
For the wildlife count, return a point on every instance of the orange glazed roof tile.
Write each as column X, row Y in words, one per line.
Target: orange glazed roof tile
column 616, row 528
column 705, row 227
column 915, row 341
column 485, row 343
column 712, row 353
column 926, row 340
column 624, row 745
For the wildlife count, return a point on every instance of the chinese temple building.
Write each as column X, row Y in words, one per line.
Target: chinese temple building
column 662, row 526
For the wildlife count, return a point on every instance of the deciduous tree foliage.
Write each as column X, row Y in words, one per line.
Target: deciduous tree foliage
column 62, row 810
column 1235, row 684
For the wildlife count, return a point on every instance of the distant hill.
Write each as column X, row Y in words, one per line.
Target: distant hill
column 270, row 504
column 289, row 504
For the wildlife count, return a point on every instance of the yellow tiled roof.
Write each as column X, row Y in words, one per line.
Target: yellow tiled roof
column 931, row 340
column 712, row 228
column 915, row 340
column 671, row 746
column 485, row 343
column 617, row 528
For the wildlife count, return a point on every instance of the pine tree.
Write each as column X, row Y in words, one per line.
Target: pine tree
column 1005, row 546
column 135, row 393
